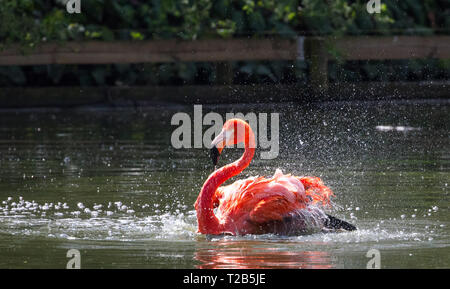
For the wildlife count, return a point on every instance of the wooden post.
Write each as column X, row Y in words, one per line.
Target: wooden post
column 224, row 73
column 318, row 61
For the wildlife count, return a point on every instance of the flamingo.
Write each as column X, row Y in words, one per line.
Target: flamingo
column 281, row 204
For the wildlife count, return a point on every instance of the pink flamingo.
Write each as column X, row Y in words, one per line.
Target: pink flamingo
column 282, row 204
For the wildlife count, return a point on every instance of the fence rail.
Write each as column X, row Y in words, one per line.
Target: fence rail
column 223, row 51
column 218, row 50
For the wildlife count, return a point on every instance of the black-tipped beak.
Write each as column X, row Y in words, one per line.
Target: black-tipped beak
column 217, row 146
column 215, row 155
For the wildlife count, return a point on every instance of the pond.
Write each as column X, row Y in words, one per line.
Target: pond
column 107, row 182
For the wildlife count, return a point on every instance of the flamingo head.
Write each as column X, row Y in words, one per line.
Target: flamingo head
column 234, row 131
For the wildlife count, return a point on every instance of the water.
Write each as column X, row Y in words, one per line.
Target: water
column 107, row 181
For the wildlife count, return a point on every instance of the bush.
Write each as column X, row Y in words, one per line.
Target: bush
column 30, row 22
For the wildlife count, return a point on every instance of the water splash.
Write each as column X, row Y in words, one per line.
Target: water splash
column 111, row 221
column 119, row 221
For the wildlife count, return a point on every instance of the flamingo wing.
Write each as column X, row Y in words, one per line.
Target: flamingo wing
column 273, row 208
column 316, row 190
column 280, row 203
column 261, row 199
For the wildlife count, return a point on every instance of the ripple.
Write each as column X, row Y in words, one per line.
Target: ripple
column 118, row 221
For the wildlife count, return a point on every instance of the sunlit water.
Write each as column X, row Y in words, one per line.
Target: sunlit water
column 107, row 181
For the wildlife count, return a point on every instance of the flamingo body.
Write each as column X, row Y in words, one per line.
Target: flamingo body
column 259, row 205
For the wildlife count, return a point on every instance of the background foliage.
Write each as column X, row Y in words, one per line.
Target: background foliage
column 30, row 22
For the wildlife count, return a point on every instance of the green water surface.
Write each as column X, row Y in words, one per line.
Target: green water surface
column 107, row 182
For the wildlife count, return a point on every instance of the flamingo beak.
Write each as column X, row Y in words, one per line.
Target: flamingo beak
column 217, row 146
column 215, row 154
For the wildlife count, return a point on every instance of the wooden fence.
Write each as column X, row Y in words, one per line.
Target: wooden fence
column 223, row 51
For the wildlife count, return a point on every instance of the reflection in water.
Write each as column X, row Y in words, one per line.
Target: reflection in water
column 251, row 255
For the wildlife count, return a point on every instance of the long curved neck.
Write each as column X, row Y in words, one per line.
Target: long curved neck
column 207, row 221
